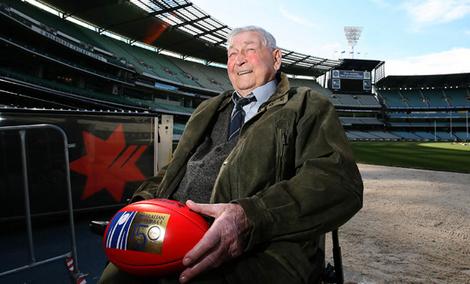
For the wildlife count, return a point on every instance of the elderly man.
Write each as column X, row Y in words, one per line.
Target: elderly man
column 271, row 164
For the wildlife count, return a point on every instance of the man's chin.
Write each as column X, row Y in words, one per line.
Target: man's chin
column 245, row 91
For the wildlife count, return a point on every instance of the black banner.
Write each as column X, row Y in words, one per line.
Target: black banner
column 109, row 156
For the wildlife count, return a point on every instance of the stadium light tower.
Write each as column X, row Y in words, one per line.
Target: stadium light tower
column 352, row 35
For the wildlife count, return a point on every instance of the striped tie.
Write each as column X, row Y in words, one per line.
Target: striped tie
column 238, row 116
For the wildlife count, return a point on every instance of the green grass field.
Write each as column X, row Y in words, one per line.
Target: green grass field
column 420, row 155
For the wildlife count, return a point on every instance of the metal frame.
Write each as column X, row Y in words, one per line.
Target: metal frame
column 337, row 258
column 73, row 253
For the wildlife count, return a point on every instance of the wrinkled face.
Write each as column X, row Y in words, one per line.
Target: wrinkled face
column 250, row 63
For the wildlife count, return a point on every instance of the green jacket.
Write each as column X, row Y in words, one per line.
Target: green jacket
column 292, row 171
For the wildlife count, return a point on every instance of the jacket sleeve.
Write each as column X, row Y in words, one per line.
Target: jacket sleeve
column 148, row 189
column 325, row 191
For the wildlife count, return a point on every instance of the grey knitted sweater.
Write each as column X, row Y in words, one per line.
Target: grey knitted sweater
column 204, row 165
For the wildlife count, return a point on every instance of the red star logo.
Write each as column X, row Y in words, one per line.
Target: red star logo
column 108, row 164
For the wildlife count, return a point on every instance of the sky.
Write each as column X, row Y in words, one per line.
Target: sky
column 413, row 37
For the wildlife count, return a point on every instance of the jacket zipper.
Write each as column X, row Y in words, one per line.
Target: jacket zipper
column 281, row 144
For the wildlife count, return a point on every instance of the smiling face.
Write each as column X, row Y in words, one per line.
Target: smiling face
column 250, row 62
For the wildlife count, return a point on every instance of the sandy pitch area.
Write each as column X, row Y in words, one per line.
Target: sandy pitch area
column 414, row 228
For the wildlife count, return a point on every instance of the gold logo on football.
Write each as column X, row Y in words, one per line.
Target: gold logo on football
column 147, row 232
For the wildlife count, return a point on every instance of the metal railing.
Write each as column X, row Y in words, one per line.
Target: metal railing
column 22, row 129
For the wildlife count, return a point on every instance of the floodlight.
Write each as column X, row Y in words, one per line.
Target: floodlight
column 352, row 34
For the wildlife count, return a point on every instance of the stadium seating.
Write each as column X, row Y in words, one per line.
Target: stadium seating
column 157, row 105
column 335, row 100
column 462, row 135
column 438, row 135
column 363, row 135
column 436, row 98
column 393, row 99
column 173, row 85
column 425, row 135
column 87, row 93
column 427, row 98
column 360, row 121
column 312, row 84
column 405, row 135
column 368, row 101
column 52, row 57
column 414, row 98
column 427, row 115
column 347, row 100
column 383, row 135
column 458, row 97
column 208, row 77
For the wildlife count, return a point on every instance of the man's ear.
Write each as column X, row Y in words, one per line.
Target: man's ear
column 277, row 55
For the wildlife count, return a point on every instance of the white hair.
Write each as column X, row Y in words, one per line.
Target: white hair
column 267, row 38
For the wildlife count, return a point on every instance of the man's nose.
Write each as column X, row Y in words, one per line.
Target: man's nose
column 240, row 59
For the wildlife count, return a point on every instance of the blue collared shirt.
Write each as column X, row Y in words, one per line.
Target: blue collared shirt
column 262, row 94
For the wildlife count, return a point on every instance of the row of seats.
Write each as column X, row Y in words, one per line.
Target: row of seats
column 370, row 135
column 408, row 135
column 427, row 115
column 428, row 124
column 357, row 135
column 155, row 105
column 360, row 121
column 64, row 87
column 359, row 100
column 432, row 98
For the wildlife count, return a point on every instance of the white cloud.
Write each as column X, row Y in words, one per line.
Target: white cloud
column 456, row 60
column 295, row 18
column 437, row 11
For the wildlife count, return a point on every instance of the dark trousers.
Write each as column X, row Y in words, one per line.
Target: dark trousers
column 257, row 268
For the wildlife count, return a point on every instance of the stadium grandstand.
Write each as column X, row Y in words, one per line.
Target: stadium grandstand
column 109, row 72
column 165, row 57
column 427, row 107
column 52, row 63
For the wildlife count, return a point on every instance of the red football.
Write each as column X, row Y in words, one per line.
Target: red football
column 151, row 237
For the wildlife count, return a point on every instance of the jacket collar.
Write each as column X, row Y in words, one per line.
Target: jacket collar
column 280, row 96
column 226, row 99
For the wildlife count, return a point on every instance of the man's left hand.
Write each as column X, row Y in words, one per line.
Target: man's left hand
column 224, row 240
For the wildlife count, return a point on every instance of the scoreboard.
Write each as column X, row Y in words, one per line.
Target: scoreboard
column 350, row 81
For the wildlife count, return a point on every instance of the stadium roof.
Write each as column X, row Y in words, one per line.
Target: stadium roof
column 359, row 64
column 178, row 26
column 423, row 81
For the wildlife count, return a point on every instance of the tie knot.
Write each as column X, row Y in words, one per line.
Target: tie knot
column 243, row 101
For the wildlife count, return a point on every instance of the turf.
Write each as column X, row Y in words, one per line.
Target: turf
column 433, row 156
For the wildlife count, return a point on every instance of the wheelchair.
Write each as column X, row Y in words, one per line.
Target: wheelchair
column 332, row 273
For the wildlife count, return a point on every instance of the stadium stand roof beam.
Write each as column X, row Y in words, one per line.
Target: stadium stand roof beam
column 190, row 22
column 152, row 14
column 176, row 26
column 359, row 64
